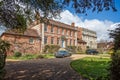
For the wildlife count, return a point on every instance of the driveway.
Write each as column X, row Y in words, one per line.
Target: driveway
column 42, row 69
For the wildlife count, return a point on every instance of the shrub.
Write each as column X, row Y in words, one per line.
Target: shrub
column 48, row 55
column 75, row 49
column 79, row 50
column 29, row 56
column 17, row 54
column 114, row 68
column 4, row 47
column 39, row 57
column 71, row 49
column 111, row 52
column 2, row 64
column 51, row 48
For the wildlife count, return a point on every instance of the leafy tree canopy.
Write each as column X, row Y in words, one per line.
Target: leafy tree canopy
column 16, row 14
column 115, row 34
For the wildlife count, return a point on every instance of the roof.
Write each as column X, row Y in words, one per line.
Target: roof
column 108, row 45
column 88, row 30
column 89, row 35
column 28, row 32
column 56, row 23
column 60, row 24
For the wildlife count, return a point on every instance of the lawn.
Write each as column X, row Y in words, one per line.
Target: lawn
column 91, row 67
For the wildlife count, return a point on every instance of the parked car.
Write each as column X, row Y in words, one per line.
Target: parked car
column 62, row 53
column 92, row 51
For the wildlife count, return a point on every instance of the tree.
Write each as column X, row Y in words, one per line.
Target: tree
column 15, row 14
column 115, row 34
column 115, row 63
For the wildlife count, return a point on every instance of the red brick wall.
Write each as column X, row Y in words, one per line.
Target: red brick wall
column 48, row 39
column 83, row 46
column 56, row 35
column 21, row 44
column 79, row 34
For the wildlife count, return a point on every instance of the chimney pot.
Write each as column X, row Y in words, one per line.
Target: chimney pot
column 73, row 24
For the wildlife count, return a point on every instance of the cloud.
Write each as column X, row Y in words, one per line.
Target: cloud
column 112, row 27
column 68, row 18
column 101, row 27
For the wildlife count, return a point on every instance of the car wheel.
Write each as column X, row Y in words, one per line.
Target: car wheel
column 63, row 56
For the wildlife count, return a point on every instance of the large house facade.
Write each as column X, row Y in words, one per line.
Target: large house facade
column 90, row 37
column 52, row 33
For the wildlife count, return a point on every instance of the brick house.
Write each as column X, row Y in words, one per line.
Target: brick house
column 28, row 42
column 38, row 35
column 52, row 33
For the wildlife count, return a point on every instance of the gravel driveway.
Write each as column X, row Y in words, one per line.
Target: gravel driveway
column 42, row 69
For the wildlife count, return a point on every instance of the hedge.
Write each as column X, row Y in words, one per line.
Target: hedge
column 51, row 48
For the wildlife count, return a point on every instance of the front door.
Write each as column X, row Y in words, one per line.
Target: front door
column 63, row 43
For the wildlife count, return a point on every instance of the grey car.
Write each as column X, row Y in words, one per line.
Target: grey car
column 62, row 53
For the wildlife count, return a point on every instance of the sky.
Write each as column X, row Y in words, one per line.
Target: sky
column 99, row 22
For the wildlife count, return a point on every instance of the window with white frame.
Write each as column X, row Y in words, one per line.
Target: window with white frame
column 52, row 40
column 62, row 31
column 45, row 40
column 52, row 28
column 70, row 33
column 67, row 32
column 74, row 42
column 45, row 27
column 73, row 33
column 67, row 42
column 57, row 40
column 58, row 30
column 70, row 42
column 31, row 40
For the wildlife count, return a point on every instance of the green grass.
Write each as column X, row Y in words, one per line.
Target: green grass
column 91, row 67
column 104, row 55
column 48, row 55
column 32, row 56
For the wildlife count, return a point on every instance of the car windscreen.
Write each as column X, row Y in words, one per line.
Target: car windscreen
column 62, row 52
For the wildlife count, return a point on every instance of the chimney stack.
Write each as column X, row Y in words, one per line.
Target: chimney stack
column 73, row 24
